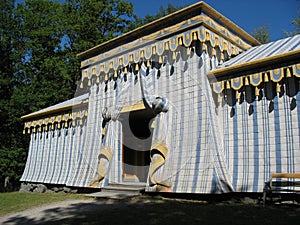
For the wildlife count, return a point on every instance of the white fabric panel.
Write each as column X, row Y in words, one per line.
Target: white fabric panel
column 211, row 149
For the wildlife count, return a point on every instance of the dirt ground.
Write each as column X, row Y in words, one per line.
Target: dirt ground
column 153, row 210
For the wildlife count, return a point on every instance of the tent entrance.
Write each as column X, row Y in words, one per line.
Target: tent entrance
column 137, row 140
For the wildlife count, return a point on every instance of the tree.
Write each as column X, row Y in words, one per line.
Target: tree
column 88, row 23
column 39, row 42
column 262, row 34
column 6, row 65
column 161, row 13
column 42, row 70
column 296, row 23
column 12, row 156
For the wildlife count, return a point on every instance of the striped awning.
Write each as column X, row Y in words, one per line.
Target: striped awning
column 62, row 114
column 267, row 50
column 269, row 62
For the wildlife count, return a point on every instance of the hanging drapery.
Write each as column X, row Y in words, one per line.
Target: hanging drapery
column 215, row 144
column 256, row 79
column 154, row 52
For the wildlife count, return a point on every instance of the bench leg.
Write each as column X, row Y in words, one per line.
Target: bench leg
column 264, row 197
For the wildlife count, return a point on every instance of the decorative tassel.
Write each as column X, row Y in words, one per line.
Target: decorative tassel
column 214, row 52
column 98, row 80
column 256, row 91
column 195, row 38
column 278, row 88
column 106, row 77
column 24, row 131
column 142, row 54
column 288, row 72
column 219, row 98
column 188, row 51
column 28, row 131
column 130, row 57
column 101, row 68
column 52, row 126
column 204, row 48
column 93, row 71
column 160, row 60
column 222, row 56
column 179, row 41
column 74, row 123
column 80, row 122
column 115, row 74
column 125, row 70
column 136, row 66
column 153, row 50
column 174, row 56
column 233, row 52
column 166, row 46
column 266, row 77
column 81, row 84
column 66, row 124
column 89, row 82
column 237, row 95
column 120, row 62
column 246, row 81
column 148, row 63
column 227, row 85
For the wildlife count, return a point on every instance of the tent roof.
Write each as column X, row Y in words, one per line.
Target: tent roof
column 63, row 106
column 169, row 20
column 278, row 53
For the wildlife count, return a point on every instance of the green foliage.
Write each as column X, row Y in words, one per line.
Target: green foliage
column 12, row 162
column 296, row 23
column 262, row 34
column 39, row 40
column 162, row 12
column 14, row 202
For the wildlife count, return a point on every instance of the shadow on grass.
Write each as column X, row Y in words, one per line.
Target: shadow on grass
column 154, row 210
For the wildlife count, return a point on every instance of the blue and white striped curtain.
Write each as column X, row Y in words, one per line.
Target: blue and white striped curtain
column 195, row 161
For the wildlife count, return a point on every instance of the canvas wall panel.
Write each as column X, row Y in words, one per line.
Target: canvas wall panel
column 261, row 137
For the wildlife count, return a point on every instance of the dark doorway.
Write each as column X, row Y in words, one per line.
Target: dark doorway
column 137, row 139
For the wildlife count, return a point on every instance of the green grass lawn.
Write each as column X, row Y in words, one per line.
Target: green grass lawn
column 11, row 202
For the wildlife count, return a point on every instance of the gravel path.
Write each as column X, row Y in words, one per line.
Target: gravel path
column 52, row 212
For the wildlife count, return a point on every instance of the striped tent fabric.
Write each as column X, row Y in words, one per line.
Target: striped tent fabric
column 262, row 51
column 261, row 132
column 197, row 144
column 51, row 152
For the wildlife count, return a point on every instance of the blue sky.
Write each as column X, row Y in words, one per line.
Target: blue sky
column 248, row 14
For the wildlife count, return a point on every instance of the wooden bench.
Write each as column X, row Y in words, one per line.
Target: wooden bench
column 281, row 182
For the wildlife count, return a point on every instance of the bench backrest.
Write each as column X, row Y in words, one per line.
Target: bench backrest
column 286, row 175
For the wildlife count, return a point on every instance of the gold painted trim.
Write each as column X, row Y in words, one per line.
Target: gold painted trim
column 183, row 13
column 256, row 79
column 255, row 63
column 135, row 107
column 123, row 51
column 161, row 147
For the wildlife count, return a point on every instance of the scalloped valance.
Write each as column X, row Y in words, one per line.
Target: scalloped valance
column 184, row 30
column 158, row 50
column 56, row 122
column 256, row 79
column 156, row 45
